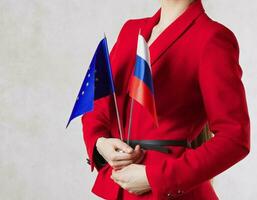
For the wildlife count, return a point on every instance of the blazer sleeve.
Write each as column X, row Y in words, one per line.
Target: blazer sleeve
column 97, row 123
column 224, row 100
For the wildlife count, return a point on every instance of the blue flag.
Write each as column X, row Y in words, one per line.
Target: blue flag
column 98, row 82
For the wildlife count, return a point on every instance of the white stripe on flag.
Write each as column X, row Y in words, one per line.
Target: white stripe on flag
column 143, row 50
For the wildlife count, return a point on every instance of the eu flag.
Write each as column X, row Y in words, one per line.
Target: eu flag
column 97, row 83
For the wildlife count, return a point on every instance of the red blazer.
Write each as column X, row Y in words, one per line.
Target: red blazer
column 197, row 79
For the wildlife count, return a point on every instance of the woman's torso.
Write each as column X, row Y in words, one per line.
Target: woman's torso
column 178, row 99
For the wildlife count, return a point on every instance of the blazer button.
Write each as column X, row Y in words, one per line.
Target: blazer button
column 180, row 191
column 170, row 196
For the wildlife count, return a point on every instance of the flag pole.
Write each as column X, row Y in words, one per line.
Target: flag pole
column 130, row 119
column 117, row 110
column 118, row 116
column 131, row 111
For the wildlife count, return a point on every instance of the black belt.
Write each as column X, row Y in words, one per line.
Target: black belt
column 159, row 145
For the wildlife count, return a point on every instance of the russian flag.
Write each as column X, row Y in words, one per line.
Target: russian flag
column 141, row 86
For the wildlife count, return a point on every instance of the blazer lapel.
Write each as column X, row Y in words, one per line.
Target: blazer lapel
column 173, row 31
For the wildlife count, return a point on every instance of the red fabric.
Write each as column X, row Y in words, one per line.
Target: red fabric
column 197, row 79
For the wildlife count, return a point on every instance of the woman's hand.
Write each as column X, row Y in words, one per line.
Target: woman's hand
column 132, row 178
column 117, row 153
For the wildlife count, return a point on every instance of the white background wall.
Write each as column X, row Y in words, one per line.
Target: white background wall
column 45, row 49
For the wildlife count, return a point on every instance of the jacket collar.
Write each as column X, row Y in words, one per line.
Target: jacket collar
column 173, row 31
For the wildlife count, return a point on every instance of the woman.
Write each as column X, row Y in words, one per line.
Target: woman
column 197, row 82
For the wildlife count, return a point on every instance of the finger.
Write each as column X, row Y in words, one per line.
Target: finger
column 119, row 174
column 137, row 147
column 121, row 163
column 126, row 157
column 115, row 176
column 118, row 156
column 137, row 153
column 123, row 146
column 140, row 159
column 120, row 151
column 114, row 169
column 117, row 168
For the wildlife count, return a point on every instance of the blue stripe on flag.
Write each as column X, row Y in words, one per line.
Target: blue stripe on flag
column 142, row 71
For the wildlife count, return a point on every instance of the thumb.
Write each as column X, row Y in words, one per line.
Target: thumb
column 140, row 159
column 123, row 146
column 137, row 148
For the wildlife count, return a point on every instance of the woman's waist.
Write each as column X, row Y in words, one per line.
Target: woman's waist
column 161, row 145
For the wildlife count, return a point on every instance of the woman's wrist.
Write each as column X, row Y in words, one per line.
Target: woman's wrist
column 99, row 141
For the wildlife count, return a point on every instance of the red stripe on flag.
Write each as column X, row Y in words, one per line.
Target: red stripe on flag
column 142, row 94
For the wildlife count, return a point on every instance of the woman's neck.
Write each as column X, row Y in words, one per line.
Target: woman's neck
column 170, row 10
